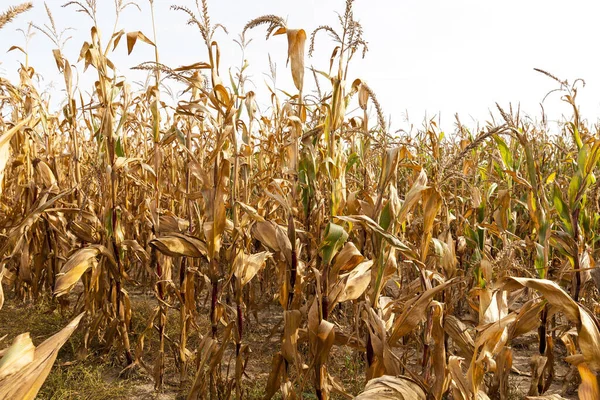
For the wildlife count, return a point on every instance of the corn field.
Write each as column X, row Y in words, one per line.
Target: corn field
column 448, row 266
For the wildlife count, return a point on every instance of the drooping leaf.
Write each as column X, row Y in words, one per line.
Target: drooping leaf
column 392, row 388
column 5, row 144
column 505, row 152
column 25, row 383
column 414, row 312
column 246, row 266
column 17, row 356
column 588, row 334
column 296, row 40
column 335, row 237
column 132, row 38
column 76, row 266
column 177, row 244
column 413, row 196
column 374, row 226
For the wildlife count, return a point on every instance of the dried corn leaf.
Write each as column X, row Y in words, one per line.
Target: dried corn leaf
column 76, row 266
column 2, row 270
column 460, row 336
column 352, row 285
column 414, row 312
column 588, row 334
column 17, row 356
column 392, row 388
column 348, row 258
column 5, row 145
column 176, row 244
column 25, row 383
column 246, row 266
column 375, row 227
column 289, row 345
column 296, row 40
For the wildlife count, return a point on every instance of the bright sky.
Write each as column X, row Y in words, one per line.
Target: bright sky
column 426, row 58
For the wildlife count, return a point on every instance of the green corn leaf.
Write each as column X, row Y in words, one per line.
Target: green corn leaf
column 335, row 237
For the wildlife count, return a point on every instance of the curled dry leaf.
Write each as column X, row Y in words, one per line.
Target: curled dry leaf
column 384, row 361
column 132, row 38
column 289, row 345
column 438, row 380
column 177, row 244
column 5, row 145
column 137, row 249
column 413, row 196
column 375, row 227
column 348, row 258
column 414, row 312
column 25, row 382
column 296, row 41
column 528, row 318
column 171, row 223
column 246, row 266
column 588, row 334
column 392, row 388
column 266, row 233
column 45, row 174
column 84, row 232
column 76, row 266
column 458, row 383
column 352, row 285
column 17, row 356
column 458, row 332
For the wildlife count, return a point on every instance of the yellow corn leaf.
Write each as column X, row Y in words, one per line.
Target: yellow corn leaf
column 589, row 336
column 296, row 40
column 25, row 383
column 246, row 266
column 414, row 312
column 392, row 388
column 589, row 389
column 413, row 196
column 348, row 258
column 5, row 145
column 177, row 244
column 132, row 38
column 17, row 356
column 76, row 266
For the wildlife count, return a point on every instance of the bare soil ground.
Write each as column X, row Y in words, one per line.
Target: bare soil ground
column 97, row 376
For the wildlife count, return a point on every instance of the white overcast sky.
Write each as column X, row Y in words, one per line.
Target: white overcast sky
column 426, row 57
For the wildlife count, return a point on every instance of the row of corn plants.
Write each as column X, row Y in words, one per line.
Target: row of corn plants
column 428, row 255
